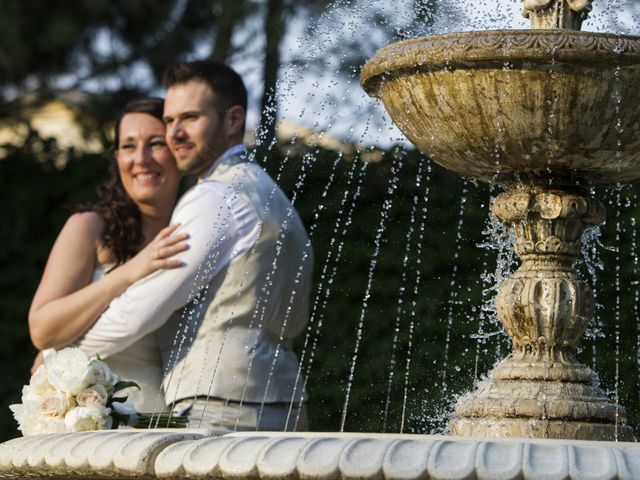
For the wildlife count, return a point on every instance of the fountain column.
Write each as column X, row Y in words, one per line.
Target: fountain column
column 567, row 14
column 541, row 390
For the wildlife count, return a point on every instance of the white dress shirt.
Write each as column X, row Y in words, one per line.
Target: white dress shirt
column 221, row 226
column 239, row 302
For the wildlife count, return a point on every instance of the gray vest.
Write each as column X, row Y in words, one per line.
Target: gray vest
column 237, row 344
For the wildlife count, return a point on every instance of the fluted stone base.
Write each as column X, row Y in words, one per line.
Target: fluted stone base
column 321, row 456
column 540, row 405
column 536, row 428
column 558, row 365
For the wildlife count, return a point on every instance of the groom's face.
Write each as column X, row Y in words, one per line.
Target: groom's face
column 195, row 128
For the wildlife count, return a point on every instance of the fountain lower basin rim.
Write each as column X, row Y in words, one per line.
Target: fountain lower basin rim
column 197, row 454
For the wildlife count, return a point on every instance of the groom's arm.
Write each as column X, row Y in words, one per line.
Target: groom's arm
column 220, row 226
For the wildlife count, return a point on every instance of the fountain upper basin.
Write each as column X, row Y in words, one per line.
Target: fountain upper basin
column 517, row 105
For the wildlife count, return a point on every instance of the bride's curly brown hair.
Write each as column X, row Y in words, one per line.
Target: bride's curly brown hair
column 122, row 233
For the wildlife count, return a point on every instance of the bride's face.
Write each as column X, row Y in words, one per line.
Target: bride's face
column 147, row 167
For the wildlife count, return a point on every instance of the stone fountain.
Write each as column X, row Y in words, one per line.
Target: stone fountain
column 548, row 113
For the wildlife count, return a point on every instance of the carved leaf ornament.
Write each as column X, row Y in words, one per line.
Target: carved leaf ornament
column 536, row 5
column 574, row 5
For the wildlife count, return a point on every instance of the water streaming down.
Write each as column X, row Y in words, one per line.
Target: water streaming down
column 633, row 251
column 388, row 203
column 263, row 297
column 554, row 108
column 407, row 370
column 401, row 309
column 401, row 298
column 317, row 214
column 416, row 291
column 330, row 270
column 323, row 102
column 305, row 258
column 480, row 336
column 187, row 330
column 187, row 327
column 617, row 307
column 324, row 93
column 630, row 296
column 314, row 326
column 453, row 286
column 402, row 14
column 619, row 128
column 192, row 314
column 497, row 245
column 591, row 248
column 230, row 324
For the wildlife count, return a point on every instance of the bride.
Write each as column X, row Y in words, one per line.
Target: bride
column 111, row 243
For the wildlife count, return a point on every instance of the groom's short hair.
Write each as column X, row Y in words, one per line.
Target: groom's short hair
column 223, row 81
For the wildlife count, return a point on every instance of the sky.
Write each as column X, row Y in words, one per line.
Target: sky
column 339, row 105
column 315, row 95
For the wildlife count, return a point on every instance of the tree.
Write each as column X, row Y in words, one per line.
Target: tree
column 228, row 13
column 99, row 45
column 120, row 48
column 273, row 27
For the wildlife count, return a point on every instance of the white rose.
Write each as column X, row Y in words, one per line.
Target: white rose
column 51, row 425
column 46, row 425
column 103, row 375
column 55, row 404
column 31, row 422
column 96, row 395
column 28, row 394
column 93, row 417
column 39, row 383
column 19, row 413
column 68, row 370
column 31, row 399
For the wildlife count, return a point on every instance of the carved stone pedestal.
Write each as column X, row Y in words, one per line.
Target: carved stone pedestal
column 541, row 390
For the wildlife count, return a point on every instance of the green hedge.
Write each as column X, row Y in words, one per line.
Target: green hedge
column 34, row 193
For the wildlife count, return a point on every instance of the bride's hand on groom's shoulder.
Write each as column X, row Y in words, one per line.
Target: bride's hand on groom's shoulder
column 158, row 254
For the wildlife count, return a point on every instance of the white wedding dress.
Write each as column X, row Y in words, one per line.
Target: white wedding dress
column 141, row 363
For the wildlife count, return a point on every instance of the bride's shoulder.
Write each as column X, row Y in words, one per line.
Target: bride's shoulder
column 87, row 224
column 79, row 238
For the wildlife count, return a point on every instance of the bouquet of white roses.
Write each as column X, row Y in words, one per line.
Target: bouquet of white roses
column 72, row 393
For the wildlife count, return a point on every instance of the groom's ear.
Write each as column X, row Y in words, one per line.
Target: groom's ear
column 234, row 121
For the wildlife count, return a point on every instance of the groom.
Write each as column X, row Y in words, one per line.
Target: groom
column 243, row 293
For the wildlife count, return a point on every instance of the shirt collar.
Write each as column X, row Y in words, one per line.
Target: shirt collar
column 231, row 156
